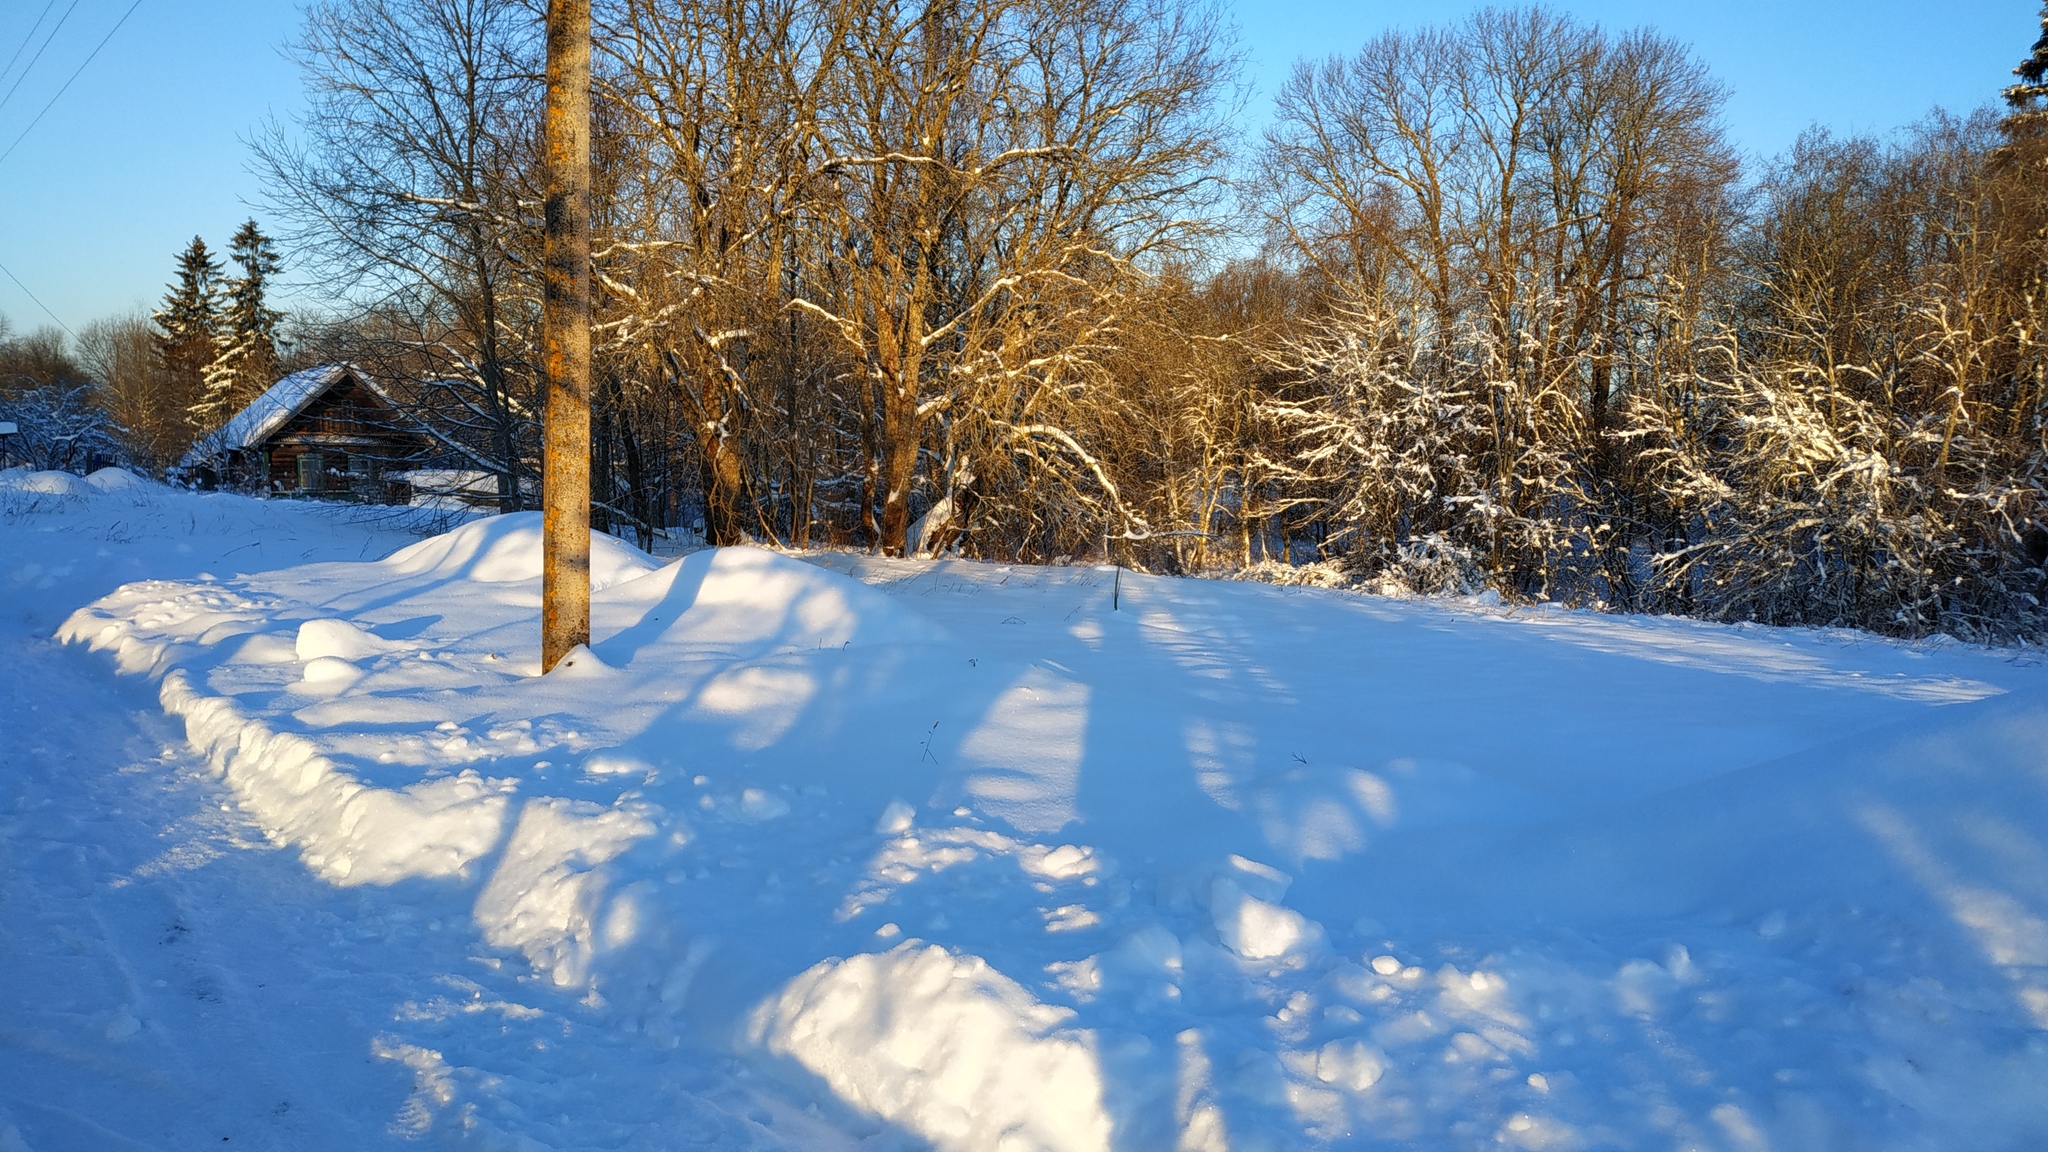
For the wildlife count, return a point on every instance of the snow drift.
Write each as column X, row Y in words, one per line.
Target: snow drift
column 945, row 1046
column 47, row 483
column 963, row 852
column 507, row 549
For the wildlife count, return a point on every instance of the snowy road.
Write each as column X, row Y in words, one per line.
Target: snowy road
column 173, row 981
column 838, row 852
column 170, row 977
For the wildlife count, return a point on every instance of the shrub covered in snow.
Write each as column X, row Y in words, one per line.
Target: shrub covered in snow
column 58, row 428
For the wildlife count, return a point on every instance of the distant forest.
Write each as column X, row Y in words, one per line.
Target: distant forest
column 1488, row 306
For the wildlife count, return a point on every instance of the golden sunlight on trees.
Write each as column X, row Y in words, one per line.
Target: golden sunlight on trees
column 1489, row 306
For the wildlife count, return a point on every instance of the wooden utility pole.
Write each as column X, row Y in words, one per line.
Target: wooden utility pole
column 565, row 338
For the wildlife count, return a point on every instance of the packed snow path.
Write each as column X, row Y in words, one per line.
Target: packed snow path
column 850, row 853
column 169, row 980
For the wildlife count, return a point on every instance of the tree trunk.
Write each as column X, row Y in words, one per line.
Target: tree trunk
column 637, row 496
column 722, row 483
column 900, row 362
column 497, row 396
column 565, row 337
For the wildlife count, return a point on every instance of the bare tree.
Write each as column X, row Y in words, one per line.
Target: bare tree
column 1532, row 202
column 998, row 172
column 715, row 108
column 1865, row 447
column 403, row 186
column 146, row 403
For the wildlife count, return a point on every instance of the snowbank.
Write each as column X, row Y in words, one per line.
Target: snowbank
column 507, row 549
column 310, row 784
column 547, row 898
column 66, row 484
column 965, row 856
column 46, row 483
column 116, row 480
column 751, row 599
column 947, row 1047
column 351, row 833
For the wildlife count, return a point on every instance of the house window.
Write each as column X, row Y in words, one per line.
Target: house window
column 312, row 472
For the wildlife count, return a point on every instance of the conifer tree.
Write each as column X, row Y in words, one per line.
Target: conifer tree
column 244, row 362
column 2025, row 98
column 187, row 325
column 2021, row 168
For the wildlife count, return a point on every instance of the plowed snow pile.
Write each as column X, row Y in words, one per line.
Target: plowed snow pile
column 833, row 852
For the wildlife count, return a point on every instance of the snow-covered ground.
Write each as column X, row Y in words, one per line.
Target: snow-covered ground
column 297, row 851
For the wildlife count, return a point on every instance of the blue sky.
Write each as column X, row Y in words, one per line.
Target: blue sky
column 145, row 148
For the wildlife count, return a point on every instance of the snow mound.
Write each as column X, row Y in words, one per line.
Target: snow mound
column 945, row 1046
column 1351, row 1064
column 543, row 897
column 331, row 672
column 49, row 484
column 115, row 480
column 336, row 638
column 748, row 598
column 55, row 483
column 1258, row 929
column 896, row 819
column 507, row 549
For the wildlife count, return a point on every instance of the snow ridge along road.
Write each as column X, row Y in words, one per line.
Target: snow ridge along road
column 833, row 852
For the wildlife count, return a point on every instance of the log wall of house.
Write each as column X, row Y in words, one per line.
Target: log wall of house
column 354, row 435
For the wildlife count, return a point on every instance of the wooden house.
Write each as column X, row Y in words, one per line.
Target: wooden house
column 331, row 431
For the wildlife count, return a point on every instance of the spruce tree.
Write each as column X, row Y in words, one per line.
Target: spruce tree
column 2028, row 117
column 2022, row 178
column 188, row 323
column 245, row 354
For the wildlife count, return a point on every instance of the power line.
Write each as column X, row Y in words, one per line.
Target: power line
column 30, row 66
column 25, row 39
column 67, row 84
column 39, row 303
column 45, row 111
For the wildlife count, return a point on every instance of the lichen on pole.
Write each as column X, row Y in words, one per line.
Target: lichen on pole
column 565, row 337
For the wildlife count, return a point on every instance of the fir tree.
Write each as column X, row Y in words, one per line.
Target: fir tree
column 2022, row 162
column 2024, row 97
column 189, row 321
column 245, row 351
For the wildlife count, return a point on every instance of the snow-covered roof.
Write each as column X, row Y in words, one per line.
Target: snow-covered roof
column 463, row 481
column 269, row 412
